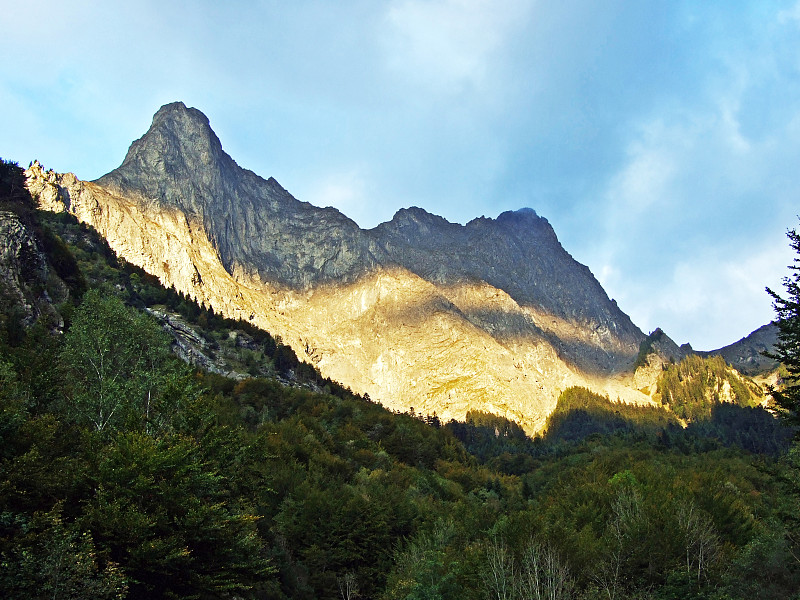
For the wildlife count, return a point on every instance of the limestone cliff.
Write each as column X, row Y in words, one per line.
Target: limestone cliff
column 24, row 273
column 29, row 286
column 494, row 315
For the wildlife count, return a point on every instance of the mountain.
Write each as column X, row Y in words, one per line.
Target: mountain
column 418, row 312
column 747, row 355
column 259, row 230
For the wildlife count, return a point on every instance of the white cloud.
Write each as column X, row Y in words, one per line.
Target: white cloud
column 790, row 14
column 608, row 276
column 694, row 214
column 714, row 298
column 449, row 45
column 347, row 190
column 646, row 179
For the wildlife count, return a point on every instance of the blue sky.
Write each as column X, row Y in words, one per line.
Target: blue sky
column 660, row 139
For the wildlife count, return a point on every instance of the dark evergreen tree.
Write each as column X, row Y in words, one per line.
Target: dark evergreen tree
column 787, row 350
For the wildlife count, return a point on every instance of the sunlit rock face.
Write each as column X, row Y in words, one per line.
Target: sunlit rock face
column 256, row 226
column 418, row 312
column 519, row 254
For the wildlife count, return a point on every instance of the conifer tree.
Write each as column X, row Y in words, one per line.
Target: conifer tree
column 787, row 349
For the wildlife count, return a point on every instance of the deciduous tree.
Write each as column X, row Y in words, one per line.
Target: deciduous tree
column 118, row 367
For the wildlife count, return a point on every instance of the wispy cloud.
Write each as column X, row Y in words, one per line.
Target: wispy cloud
column 450, row 46
column 791, row 14
column 694, row 220
column 645, row 181
column 710, row 286
column 346, row 190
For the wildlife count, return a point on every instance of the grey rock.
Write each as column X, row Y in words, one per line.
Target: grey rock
column 260, row 230
column 747, row 354
column 24, row 274
column 190, row 346
column 257, row 226
column 519, row 253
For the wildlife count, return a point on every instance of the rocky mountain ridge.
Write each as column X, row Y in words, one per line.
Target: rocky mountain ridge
column 260, row 231
column 493, row 315
column 747, row 354
column 179, row 163
column 265, row 234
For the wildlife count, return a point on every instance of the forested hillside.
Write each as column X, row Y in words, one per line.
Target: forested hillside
column 127, row 473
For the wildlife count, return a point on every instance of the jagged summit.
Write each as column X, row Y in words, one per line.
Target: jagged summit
column 259, row 229
column 524, row 214
column 180, row 110
column 491, row 315
column 518, row 252
column 180, row 142
column 180, row 146
column 416, row 216
column 262, row 231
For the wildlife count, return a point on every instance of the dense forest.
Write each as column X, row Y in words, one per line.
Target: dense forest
column 127, row 473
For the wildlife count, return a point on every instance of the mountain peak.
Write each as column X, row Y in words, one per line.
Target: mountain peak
column 520, row 214
column 180, row 145
column 176, row 106
column 418, row 219
column 178, row 114
column 526, row 220
column 418, row 311
column 257, row 227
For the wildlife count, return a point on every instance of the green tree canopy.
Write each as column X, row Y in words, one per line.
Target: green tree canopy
column 118, row 366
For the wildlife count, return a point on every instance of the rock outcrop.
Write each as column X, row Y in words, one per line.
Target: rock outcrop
column 656, row 352
column 23, row 268
column 494, row 315
column 747, row 355
column 29, row 288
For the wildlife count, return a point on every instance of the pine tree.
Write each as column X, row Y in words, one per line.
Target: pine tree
column 787, row 349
